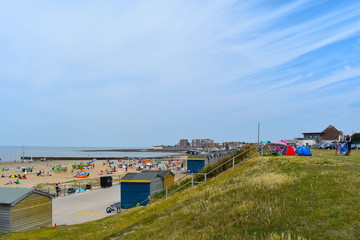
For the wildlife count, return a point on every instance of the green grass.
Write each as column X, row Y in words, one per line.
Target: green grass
column 264, row 198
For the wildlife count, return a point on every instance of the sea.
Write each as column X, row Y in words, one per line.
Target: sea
column 14, row 153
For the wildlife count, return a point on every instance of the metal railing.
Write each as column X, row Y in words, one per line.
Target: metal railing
column 78, row 185
column 192, row 182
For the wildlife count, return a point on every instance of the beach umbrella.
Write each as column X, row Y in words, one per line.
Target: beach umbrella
column 158, row 162
column 279, row 143
column 94, row 159
column 178, row 162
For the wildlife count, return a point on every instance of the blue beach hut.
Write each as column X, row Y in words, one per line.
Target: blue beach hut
column 195, row 163
column 135, row 188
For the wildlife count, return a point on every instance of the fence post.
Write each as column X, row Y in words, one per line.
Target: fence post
column 205, row 177
column 192, row 179
column 166, row 195
column 120, row 193
column 233, row 163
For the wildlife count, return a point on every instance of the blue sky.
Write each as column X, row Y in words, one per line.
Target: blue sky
column 141, row 73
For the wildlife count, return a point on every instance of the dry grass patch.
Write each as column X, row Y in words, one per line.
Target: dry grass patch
column 246, row 207
column 283, row 236
column 270, row 180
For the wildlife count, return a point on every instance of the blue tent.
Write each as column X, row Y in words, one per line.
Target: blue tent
column 343, row 148
column 303, row 151
column 79, row 190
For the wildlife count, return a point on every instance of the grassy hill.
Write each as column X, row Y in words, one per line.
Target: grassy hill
column 264, row 198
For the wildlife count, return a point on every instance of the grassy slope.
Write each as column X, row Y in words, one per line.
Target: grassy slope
column 264, row 198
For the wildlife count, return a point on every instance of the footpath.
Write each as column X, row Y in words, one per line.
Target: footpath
column 85, row 206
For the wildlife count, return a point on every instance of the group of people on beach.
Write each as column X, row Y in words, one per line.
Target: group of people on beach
column 348, row 141
column 14, row 176
column 143, row 164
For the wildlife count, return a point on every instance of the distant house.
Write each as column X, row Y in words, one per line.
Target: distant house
column 330, row 133
column 326, row 136
column 312, row 135
column 24, row 209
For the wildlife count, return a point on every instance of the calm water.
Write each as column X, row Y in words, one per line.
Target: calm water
column 9, row 154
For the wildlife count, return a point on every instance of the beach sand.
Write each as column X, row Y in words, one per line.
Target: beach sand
column 51, row 177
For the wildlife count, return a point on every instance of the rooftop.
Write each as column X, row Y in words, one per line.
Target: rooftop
column 141, row 176
column 10, row 196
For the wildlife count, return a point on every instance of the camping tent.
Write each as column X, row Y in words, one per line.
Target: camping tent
column 303, row 151
column 289, row 151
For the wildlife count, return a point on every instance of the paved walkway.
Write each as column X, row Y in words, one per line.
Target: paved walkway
column 85, row 206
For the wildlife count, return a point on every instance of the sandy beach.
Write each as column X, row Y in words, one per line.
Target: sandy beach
column 99, row 168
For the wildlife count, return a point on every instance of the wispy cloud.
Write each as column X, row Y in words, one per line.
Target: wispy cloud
column 170, row 69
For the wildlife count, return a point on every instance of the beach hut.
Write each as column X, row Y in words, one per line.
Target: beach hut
column 135, row 188
column 167, row 176
column 196, row 163
column 24, row 209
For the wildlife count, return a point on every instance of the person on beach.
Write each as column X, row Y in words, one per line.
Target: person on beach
column 9, row 183
column 58, row 189
column 337, row 145
column 348, row 140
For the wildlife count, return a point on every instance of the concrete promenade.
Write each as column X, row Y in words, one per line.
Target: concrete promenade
column 85, row 206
